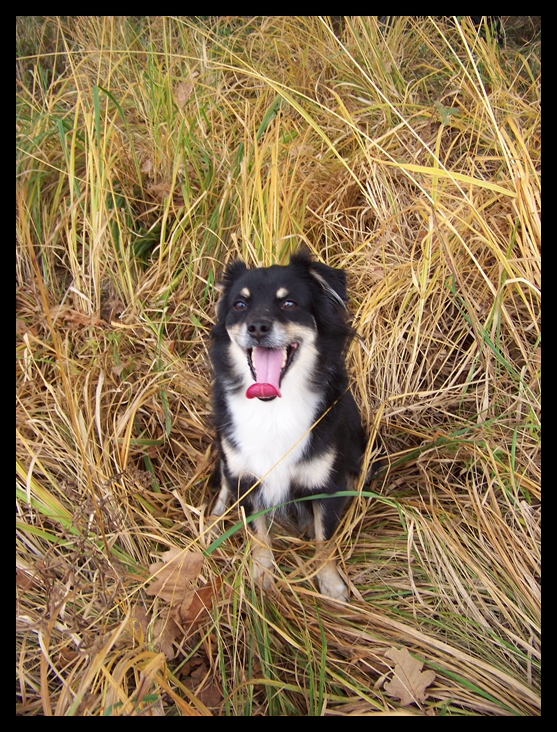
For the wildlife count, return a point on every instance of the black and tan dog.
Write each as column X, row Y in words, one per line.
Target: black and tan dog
column 287, row 425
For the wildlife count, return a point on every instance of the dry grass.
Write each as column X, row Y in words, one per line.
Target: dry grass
column 150, row 152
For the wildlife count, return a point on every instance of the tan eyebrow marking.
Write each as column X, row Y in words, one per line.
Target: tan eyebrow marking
column 245, row 292
column 282, row 292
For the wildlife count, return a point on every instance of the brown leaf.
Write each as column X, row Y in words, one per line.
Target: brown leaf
column 174, row 574
column 23, row 580
column 73, row 318
column 22, row 327
column 409, row 681
column 193, row 673
column 111, row 309
column 196, row 667
column 211, row 696
column 188, row 606
column 193, row 609
column 182, row 92
column 147, row 166
column 164, row 630
column 160, row 190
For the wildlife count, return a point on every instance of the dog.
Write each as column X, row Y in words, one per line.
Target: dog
column 286, row 423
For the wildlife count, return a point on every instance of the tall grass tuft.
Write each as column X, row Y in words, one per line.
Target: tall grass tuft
column 150, row 152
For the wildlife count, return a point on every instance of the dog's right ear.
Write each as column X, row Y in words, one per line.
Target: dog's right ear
column 231, row 273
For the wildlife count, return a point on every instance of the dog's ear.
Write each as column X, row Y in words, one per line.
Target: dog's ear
column 332, row 280
column 232, row 272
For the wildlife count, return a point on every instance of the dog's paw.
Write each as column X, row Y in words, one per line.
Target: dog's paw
column 263, row 563
column 220, row 506
column 331, row 583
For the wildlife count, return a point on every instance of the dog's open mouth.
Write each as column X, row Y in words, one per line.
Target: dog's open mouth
column 268, row 366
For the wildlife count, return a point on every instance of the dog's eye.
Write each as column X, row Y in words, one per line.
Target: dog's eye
column 289, row 305
column 240, row 305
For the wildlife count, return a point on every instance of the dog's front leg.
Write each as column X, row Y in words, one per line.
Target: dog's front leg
column 221, row 503
column 328, row 577
column 262, row 554
column 214, row 528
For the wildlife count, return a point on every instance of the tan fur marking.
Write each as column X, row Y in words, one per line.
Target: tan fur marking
column 262, row 554
column 328, row 577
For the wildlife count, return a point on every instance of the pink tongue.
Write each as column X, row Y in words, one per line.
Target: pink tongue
column 267, row 363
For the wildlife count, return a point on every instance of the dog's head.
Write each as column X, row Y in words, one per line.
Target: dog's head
column 278, row 319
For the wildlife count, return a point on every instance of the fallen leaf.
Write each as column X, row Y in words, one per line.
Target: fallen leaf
column 73, row 318
column 22, row 327
column 409, row 682
column 188, row 606
column 193, row 609
column 211, row 696
column 164, row 630
column 111, row 309
column 23, row 580
column 174, row 574
column 182, row 92
column 196, row 667
column 159, row 190
column 147, row 166
column 193, row 673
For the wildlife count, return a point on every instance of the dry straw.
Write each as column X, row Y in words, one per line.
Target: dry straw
column 151, row 151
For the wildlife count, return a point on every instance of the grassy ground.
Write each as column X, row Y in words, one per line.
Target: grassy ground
column 150, row 152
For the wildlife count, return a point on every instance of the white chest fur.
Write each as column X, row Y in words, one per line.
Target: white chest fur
column 272, row 438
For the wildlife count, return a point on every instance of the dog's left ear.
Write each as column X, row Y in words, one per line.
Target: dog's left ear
column 332, row 280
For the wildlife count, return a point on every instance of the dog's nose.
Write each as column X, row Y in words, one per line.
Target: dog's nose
column 259, row 329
